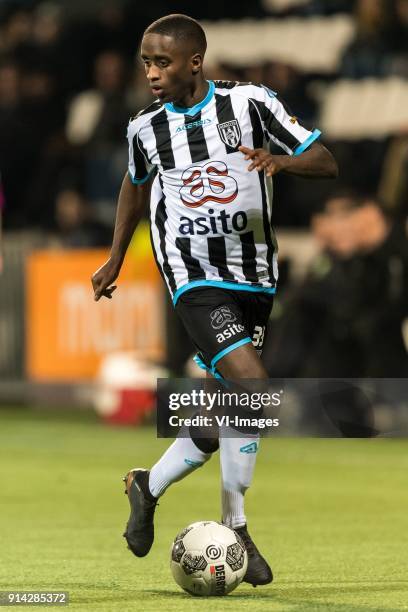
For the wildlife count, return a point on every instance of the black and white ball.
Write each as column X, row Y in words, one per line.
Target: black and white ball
column 208, row 558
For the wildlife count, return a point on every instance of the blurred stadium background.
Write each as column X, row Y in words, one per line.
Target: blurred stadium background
column 70, row 78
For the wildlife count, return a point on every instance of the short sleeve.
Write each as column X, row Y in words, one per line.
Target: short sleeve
column 281, row 126
column 139, row 167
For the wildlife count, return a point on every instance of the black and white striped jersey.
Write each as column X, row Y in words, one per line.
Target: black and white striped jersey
column 210, row 217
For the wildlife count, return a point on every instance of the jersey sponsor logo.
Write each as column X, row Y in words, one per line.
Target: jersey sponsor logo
column 193, row 124
column 230, row 132
column 249, row 448
column 220, row 224
column 221, row 316
column 208, row 183
column 230, row 332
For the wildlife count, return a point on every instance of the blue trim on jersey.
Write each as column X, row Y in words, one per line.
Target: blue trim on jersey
column 228, row 350
column 223, row 284
column 304, row 145
column 197, row 107
column 136, row 181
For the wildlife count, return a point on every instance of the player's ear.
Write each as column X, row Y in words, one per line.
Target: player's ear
column 196, row 63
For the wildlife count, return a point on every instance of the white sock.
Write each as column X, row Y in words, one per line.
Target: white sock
column 180, row 459
column 238, row 458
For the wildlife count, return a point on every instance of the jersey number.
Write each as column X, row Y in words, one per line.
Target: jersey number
column 258, row 336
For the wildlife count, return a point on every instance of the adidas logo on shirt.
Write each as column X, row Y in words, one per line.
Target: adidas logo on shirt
column 193, row 124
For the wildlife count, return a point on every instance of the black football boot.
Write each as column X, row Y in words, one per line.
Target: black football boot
column 258, row 571
column 139, row 532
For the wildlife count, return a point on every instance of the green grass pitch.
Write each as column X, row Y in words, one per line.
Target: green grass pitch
column 330, row 515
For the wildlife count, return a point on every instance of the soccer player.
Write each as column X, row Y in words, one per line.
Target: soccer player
column 197, row 153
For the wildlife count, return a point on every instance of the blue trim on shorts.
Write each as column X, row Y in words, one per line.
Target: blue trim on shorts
column 202, row 365
column 227, row 350
column 304, row 145
column 223, row 285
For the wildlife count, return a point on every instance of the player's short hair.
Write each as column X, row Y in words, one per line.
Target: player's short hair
column 180, row 27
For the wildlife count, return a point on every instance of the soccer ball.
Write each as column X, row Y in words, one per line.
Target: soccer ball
column 208, row 558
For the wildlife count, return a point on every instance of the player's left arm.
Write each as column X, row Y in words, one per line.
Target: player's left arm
column 302, row 154
column 315, row 162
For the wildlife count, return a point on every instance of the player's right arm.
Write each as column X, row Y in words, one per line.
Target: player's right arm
column 133, row 199
column 131, row 204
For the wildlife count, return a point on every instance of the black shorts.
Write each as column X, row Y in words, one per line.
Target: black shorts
column 220, row 320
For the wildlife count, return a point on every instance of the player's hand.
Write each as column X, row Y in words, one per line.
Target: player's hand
column 262, row 160
column 103, row 278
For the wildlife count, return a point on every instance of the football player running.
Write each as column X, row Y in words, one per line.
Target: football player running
column 197, row 154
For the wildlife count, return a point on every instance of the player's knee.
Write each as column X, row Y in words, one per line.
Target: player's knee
column 206, row 445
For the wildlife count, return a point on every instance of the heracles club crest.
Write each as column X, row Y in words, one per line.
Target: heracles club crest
column 230, row 133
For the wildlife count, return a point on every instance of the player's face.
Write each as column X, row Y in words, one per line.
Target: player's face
column 169, row 66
